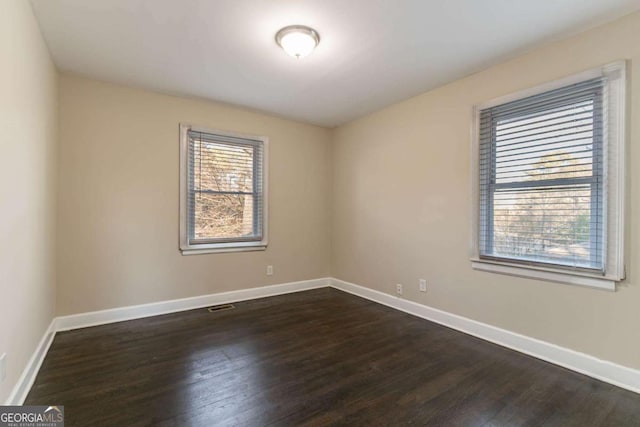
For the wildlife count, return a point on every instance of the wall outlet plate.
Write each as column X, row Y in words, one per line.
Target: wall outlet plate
column 399, row 289
column 269, row 270
column 423, row 285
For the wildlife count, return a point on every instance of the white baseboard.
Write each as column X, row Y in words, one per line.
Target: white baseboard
column 83, row 320
column 602, row 370
column 609, row 372
column 23, row 386
column 94, row 318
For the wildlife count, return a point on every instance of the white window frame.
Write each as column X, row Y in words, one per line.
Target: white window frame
column 615, row 196
column 188, row 248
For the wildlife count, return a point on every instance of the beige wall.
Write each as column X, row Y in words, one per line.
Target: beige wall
column 28, row 119
column 118, row 199
column 402, row 203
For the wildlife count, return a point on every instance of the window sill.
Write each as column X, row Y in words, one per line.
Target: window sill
column 217, row 249
column 547, row 274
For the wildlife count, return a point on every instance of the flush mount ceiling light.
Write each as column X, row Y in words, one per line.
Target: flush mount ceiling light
column 297, row 40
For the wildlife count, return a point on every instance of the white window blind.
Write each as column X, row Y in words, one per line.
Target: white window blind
column 542, row 178
column 224, row 200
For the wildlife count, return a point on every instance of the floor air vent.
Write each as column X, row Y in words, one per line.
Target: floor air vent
column 221, row 307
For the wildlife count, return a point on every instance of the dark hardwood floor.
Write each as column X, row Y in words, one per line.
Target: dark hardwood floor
column 321, row 357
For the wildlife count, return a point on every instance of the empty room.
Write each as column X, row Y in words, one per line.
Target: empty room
column 306, row 212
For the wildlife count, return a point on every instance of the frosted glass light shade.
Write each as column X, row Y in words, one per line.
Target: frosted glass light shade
column 297, row 40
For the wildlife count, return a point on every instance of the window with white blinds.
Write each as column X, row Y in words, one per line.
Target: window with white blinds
column 541, row 175
column 223, row 191
column 547, row 196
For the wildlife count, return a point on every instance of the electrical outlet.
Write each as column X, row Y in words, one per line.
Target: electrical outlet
column 423, row 285
column 3, row 367
column 399, row 289
column 269, row 270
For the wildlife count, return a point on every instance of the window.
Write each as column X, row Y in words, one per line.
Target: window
column 223, row 201
column 550, row 181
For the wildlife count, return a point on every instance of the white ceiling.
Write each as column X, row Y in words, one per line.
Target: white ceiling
column 372, row 52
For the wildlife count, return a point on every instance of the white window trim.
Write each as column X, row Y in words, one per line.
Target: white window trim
column 615, row 178
column 208, row 248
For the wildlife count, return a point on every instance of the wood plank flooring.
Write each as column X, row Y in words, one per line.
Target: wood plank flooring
column 320, row 357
